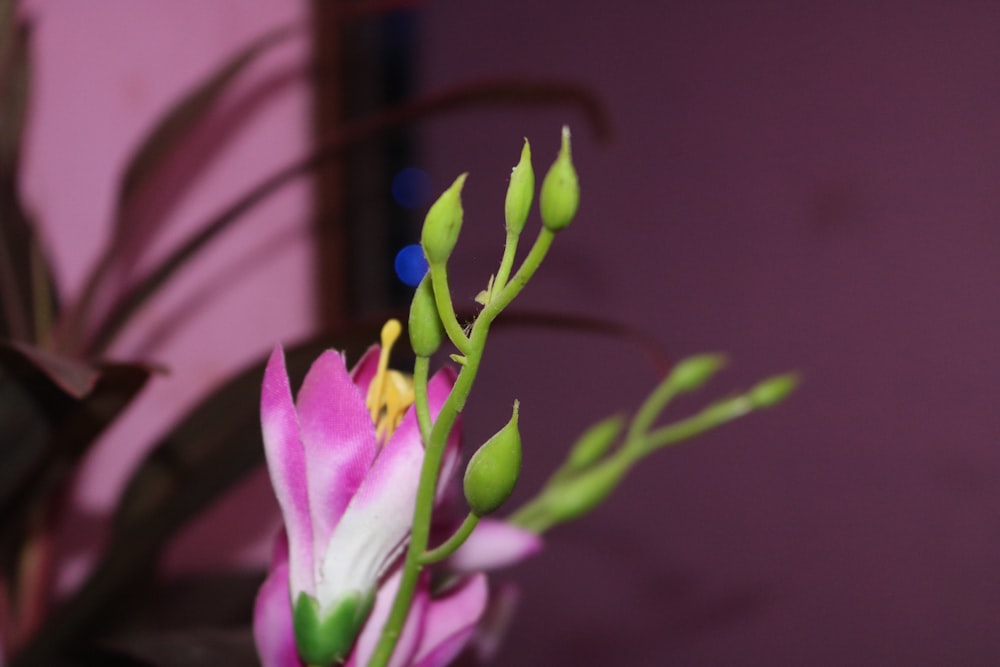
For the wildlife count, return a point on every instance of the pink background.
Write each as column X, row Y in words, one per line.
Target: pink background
column 806, row 186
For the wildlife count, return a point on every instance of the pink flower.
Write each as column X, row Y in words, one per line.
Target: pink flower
column 345, row 462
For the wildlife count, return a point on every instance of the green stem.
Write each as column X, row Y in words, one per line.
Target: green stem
column 472, row 347
column 506, row 263
column 712, row 416
column 442, row 297
column 650, row 410
column 521, row 278
column 429, row 471
column 452, row 544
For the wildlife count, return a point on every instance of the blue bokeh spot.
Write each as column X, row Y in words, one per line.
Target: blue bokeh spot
column 411, row 187
column 411, row 265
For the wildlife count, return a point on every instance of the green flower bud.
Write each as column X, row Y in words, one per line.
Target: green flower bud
column 326, row 639
column 574, row 497
column 494, row 469
column 443, row 223
column 773, row 390
column 520, row 192
column 426, row 330
column 689, row 374
column 594, row 443
column 560, row 190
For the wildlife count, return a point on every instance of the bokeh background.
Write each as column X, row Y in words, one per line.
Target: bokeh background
column 805, row 186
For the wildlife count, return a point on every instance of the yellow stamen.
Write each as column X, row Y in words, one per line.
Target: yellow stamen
column 390, row 392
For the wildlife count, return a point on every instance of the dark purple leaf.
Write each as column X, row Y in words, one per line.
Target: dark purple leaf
column 192, row 648
column 45, row 429
column 137, row 221
column 213, row 447
column 492, row 93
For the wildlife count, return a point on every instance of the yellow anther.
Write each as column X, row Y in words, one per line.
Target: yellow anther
column 390, row 392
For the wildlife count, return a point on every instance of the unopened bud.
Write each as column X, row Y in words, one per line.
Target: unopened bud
column 575, row 497
column 426, row 330
column 494, row 469
column 689, row 374
column 594, row 443
column 520, row 192
column 560, row 195
column 773, row 390
column 443, row 223
column 325, row 638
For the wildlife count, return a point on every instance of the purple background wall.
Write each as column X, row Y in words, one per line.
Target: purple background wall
column 802, row 185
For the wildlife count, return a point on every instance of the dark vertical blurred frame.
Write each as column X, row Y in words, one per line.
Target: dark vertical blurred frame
column 364, row 65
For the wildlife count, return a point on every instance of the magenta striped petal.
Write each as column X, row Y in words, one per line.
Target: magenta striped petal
column 412, row 628
column 450, row 622
column 272, row 621
column 495, row 544
column 287, row 466
column 373, row 529
column 339, row 441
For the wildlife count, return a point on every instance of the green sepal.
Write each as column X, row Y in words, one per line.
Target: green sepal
column 560, row 196
column 494, row 469
column 326, row 639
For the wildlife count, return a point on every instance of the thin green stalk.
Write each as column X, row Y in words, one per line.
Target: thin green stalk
column 506, row 263
column 421, row 403
column 712, row 416
column 429, row 472
column 521, row 278
column 651, row 409
column 442, row 297
column 451, row 545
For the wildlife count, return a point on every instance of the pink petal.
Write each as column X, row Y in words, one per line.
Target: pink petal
column 494, row 622
column 287, row 466
column 412, row 628
column 272, row 622
column 339, row 441
column 438, row 389
column 376, row 523
column 437, row 393
column 364, row 371
column 495, row 544
column 451, row 620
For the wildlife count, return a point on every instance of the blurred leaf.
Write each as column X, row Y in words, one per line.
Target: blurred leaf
column 26, row 286
column 45, row 428
column 598, row 326
column 214, row 600
column 145, row 164
column 527, row 92
column 14, row 78
column 178, row 122
column 214, row 446
column 194, row 648
column 72, row 376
